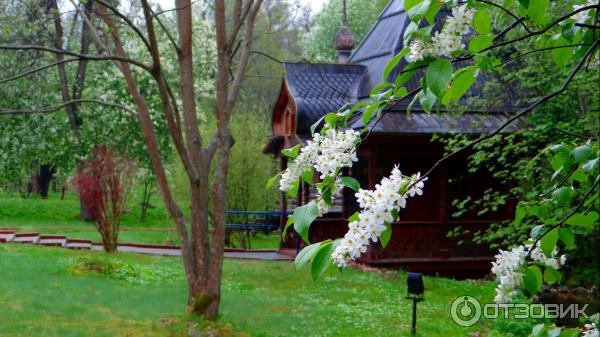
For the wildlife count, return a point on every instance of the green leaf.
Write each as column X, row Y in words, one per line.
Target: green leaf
column 536, row 231
column 331, row 119
column 582, row 153
column 395, row 214
column 554, row 332
column 533, row 279
column 313, row 127
column 292, row 152
column 380, row 87
column 434, row 8
column 520, row 213
column 537, row 10
column 569, row 332
column 561, row 56
column 350, row 183
column 480, row 42
column 548, row 242
column 524, row 3
column 583, row 220
column 393, row 62
column 418, row 11
column 427, row 100
column 293, row 192
column 354, row 217
column 368, row 113
column 271, row 182
column 412, row 102
column 386, row 235
column 307, row 176
column 482, row 22
column 290, row 221
column 537, row 330
column 405, row 76
column 306, row 255
column 322, row 260
column 408, row 32
column 303, row 218
column 463, row 80
column 356, row 107
column 551, row 275
column 562, row 195
column 590, row 166
column 438, row 76
column 566, row 235
column 400, row 92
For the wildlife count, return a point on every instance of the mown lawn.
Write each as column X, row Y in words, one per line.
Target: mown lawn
column 54, row 216
column 44, row 292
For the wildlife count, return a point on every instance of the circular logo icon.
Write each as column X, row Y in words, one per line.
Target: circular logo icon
column 465, row 310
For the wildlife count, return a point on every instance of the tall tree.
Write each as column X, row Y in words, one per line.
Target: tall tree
column 205, row 161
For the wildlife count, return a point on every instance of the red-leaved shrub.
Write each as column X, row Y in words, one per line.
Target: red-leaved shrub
column 103, row 186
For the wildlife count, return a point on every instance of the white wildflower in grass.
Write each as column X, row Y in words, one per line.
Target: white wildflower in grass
column 448, row 40
column 509, row 266
column 325, row 153
column 377, row 207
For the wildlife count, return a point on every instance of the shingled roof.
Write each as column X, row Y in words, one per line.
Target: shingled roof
column 317, row 89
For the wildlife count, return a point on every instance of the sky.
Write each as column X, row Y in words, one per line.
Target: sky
column 314, row 4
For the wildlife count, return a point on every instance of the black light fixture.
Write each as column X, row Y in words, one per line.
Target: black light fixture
column 414, row 291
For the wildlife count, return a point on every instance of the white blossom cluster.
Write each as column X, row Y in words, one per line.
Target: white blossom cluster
column 377, row 207
column 325, row 153
column 447, row 41
column 591, row 330
column 507, row 269
column 509, row 264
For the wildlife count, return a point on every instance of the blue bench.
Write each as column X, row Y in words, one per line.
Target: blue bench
column 264, row 222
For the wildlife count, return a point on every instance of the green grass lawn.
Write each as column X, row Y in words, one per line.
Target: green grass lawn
column 61, row 217
column 43, row 292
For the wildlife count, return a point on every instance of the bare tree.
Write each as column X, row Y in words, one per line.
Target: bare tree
column 202, row 235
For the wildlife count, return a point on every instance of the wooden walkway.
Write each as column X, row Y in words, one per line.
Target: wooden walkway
column 11, row 235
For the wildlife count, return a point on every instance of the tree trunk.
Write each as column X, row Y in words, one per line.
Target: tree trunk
column 44, row 179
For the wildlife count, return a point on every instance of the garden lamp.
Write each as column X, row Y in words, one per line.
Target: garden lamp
column 414, row 292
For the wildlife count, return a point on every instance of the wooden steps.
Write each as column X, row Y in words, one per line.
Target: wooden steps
column 9, row 235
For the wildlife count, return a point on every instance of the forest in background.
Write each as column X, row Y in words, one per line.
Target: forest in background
column 39, row 153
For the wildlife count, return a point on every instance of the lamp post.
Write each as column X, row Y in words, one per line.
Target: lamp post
column 414, row 292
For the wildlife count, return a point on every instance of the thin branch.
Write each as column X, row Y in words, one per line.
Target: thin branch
column 566, row 217
column 127, row 21
column 267, row 56
column 560, row 183
column 238, row 22
column 507, row 12
column 516, row 116
column 540, row 50
column 166, row 30
column 576, row 135
column 245, row 55
column 64, row 105
column 541, row 31
column 77, row 55
column 36, row 70
column 585, row 25
column 175, row 8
